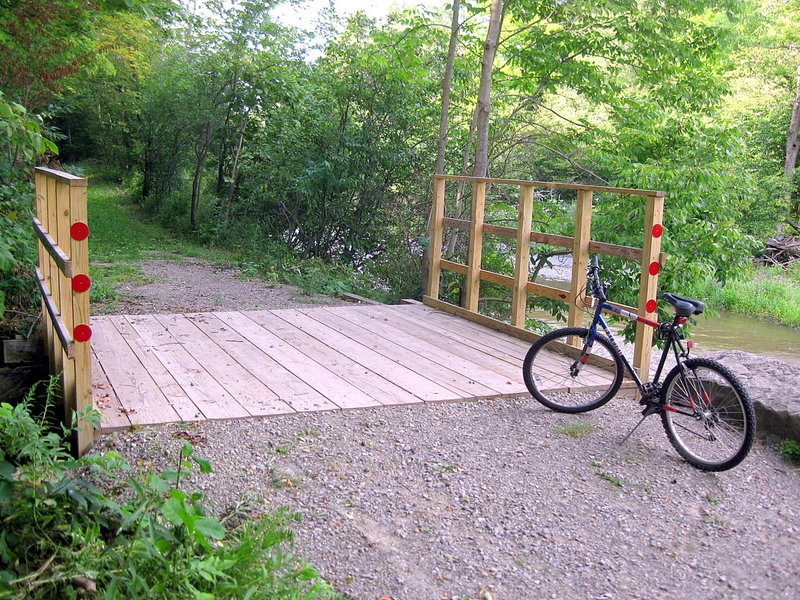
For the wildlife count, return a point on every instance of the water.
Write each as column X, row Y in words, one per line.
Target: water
column 735, row 332
column 726, row 331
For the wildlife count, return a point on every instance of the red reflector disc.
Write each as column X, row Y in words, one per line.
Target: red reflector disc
column 690, row 344
column 654, row 268
column 82, row 333
column 657, row 230
column 81, row 283
column 651, row 306
column 79, row 231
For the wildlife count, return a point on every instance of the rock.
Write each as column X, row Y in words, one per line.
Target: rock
column 772, row 385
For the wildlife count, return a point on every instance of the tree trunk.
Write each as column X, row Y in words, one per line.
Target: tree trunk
column 448, row 78
column 481, row 166
column 234, row 174
column 792, row 149
column 443, row 120
column 201, row 153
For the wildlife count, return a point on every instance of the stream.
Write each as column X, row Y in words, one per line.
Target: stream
column 725, row 331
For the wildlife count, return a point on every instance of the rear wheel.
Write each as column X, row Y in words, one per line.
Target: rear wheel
column 707, row 415
column 569, row 379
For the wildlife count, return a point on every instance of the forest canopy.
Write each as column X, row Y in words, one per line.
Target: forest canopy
column 244, row 132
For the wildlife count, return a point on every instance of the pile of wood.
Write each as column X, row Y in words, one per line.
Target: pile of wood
column 781, row 250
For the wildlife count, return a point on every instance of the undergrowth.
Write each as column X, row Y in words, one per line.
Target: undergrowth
column 87, row 527
column 121, row 234
column 770, row 293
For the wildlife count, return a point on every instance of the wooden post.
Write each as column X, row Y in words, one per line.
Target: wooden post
column 79, row 253
column 41, row 214
column 52, row 280
column 435, row 236
column 63, row 297
column 475, row 257
column 648, row 283
column 519, row 306
column 580, row 254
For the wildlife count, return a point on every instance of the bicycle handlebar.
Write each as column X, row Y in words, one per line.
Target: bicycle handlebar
column 593, row 273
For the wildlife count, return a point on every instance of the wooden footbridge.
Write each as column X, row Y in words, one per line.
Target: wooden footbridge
column 149, row 369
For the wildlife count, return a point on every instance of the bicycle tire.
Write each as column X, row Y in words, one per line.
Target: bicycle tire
column 707, row 415
column 548, row 371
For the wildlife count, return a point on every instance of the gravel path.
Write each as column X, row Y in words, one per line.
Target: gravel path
column 182, row 284
column 500, row 500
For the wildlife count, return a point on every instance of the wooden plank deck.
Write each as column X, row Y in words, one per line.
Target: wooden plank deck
column 151, row 369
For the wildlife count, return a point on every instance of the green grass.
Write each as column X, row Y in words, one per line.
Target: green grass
column 575, row 430
column 769, row 293
column 119, row 233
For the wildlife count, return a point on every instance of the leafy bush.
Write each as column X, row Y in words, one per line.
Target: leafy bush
column 790, row 449
column 20, row 140
column 64, row 535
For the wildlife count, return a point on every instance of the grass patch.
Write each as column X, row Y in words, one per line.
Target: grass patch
column 106, row 278
column 121, row 234
column 575, row 430
column 770, row 293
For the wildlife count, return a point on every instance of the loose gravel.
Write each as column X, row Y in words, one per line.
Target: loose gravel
column 500, row 500
column 184, row 284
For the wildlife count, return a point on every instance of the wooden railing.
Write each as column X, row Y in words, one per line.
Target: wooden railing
column 61, row 225
column 581, row 245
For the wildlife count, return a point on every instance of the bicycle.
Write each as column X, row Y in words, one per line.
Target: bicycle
column 706, row 412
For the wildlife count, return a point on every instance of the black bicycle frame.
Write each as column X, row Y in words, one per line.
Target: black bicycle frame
column 673, row 341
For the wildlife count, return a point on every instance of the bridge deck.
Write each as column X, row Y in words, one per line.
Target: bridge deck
column 152, row 369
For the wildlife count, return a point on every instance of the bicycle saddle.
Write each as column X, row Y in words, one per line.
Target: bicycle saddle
column 684, row 307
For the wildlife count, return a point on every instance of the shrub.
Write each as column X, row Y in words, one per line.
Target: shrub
column 65, row 535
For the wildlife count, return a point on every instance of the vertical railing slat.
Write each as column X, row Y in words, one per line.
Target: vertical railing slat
column 519, row 303
column 51, row 277
column 435, row 236
column 580, row 254
column 42, row 214
column 475, row 257
column 648, row 283
column 79, row 253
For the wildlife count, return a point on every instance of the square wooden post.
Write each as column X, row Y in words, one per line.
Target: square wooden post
column 435, row 236
column 519, row 304
column 580, row 254
column 52, row 276
column 473, row 288
column 648, row 283
column 79, row 253
column 44, row 261
column 63, row 297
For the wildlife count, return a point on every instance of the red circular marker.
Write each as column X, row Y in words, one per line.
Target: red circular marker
column 81, row 283
column 654, row 268
column 82, row 333
column 657, row 230
column 651, row 306
column 79, row 231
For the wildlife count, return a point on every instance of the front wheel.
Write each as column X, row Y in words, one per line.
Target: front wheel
column 572, row 379
column 707, row 414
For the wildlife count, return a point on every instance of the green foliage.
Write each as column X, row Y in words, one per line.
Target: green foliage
column 21, row 139
column 771, row 293
column 790, row 449
column 65, row 534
